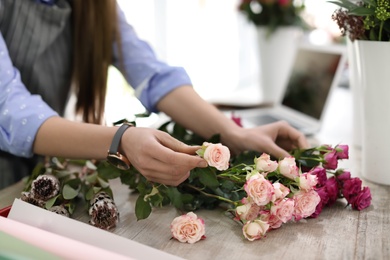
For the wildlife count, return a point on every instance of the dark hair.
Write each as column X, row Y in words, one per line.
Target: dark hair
column 95, row 29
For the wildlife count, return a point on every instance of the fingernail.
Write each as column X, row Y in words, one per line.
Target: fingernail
column 202, row 164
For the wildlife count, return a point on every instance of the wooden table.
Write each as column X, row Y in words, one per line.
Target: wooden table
column 338, row 233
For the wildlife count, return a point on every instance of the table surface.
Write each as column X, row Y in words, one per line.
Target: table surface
column 338, row 233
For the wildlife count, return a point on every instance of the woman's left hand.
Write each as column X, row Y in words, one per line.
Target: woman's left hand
column 275, row 139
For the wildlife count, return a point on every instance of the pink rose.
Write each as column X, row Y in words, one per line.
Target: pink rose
column 343, row 175
column 324, row 200
column 307, row 181
column 305, row 204
column 332, row 189
column 248, row 212
column 255, row 229
column 216, row 155
column 273, row 221
column 265, row 164
column 283, row 209
column 280, row 191
column 288, row 168
column 331, row 160
column 188, row 228
column 321, row 175
column 351, row 189
column 362, row 199
column 259, row 189
column 342, row 151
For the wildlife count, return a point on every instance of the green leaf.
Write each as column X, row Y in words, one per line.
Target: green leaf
column 91, row 178
column 361, row 11
column 208, row 177
column 175, row 197
column 74, row 183
column 92, row 191
column 227, row 185
column 131, row 178
column 142, row 208
column 68, row 192
column 103, row 183
column 49, row 203
column 107, row 171
column 71, row 207
column 344, row 4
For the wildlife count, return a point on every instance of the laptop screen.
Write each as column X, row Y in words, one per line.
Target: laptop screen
column 310, row 81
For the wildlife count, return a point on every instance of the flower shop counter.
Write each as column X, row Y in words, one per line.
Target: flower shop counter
column 338, row 233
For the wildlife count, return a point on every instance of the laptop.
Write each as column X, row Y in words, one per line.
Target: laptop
column 315, row 72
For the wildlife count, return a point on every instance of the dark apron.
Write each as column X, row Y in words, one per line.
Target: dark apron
column 38, row 37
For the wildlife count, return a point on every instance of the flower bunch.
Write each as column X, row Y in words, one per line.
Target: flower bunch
column 57, row 184
column 273, row 13
column 363, row 20
column 277, row 192
column 295, row 188
column 261, row 193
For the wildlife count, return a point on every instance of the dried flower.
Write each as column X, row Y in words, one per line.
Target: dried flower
column 45, row 187
column 363, row 20
column 103, row 211
column 29, row 198
column 61, row 210
column 55, row 187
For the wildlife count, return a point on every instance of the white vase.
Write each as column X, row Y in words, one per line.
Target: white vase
column 276, row 55
column 373, row 63
column 356, row 91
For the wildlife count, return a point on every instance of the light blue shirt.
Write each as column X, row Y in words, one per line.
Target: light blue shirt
column 21, row 113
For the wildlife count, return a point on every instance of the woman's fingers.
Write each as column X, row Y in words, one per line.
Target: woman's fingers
column 294, row 136
column 160, row 157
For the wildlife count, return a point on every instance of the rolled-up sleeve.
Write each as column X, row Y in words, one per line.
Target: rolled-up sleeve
column 152, row 79
column 21, row 113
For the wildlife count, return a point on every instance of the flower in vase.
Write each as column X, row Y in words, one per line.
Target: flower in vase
column 363, row 20
column 273, row 13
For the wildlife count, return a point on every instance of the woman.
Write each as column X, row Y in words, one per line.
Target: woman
column 47, row 46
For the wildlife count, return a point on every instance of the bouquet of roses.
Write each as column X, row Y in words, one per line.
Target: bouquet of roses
column 261, row 193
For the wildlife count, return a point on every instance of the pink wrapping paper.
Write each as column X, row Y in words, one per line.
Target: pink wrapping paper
column 58, row 245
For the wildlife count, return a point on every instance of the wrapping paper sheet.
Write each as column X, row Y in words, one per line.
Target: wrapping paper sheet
column 62, row 247
column 67, row 232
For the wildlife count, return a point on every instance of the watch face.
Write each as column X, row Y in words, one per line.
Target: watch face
column 118, row 161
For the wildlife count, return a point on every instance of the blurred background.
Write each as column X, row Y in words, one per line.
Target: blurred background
column 211, row 39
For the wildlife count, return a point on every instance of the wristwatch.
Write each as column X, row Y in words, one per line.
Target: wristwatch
column 114, row 156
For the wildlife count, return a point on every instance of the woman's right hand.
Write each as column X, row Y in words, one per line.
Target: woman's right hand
column 158, row 156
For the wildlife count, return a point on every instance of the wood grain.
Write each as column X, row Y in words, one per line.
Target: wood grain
column 338, row 233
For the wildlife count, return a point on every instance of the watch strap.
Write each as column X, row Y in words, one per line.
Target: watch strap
column 117, row 138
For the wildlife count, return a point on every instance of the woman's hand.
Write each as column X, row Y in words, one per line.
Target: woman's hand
column 276, row 139
column 158, row 156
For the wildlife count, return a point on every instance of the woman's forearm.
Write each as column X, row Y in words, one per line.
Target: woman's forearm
column 186, row 107
column 60, row 137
